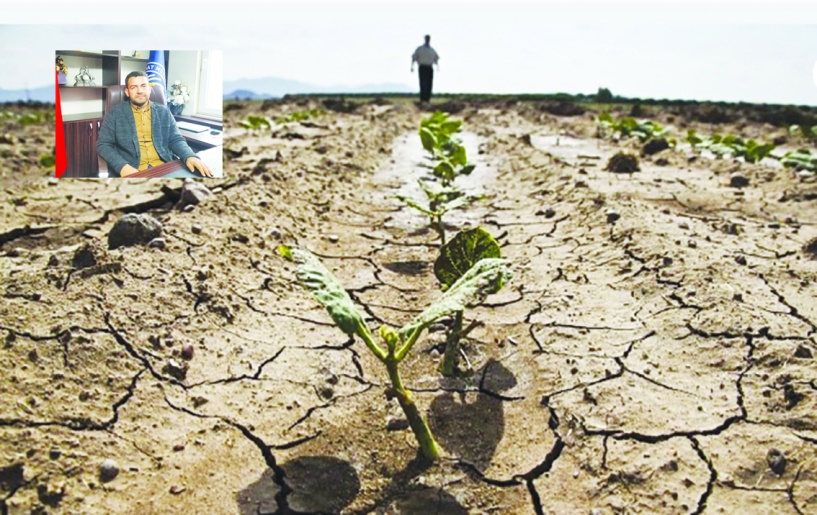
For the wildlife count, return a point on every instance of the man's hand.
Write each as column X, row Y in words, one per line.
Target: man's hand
column 194, row 163
column 127, row 170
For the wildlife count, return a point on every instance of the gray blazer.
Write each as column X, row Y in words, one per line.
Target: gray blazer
column 117, row 143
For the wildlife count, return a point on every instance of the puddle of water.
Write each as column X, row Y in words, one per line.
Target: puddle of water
column 565, row 147
column 411, row 162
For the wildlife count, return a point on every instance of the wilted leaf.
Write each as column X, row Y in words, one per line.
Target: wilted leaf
column 325, row 288
column 486, row 277
column 465, row 250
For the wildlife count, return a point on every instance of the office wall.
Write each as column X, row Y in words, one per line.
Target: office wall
column 183, row 66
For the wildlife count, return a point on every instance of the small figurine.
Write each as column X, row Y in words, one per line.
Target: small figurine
column 84, row 78
column 62, row 69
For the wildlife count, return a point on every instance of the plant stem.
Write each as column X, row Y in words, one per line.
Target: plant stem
column 448, row 367
column 428, row 445
column 438, row 225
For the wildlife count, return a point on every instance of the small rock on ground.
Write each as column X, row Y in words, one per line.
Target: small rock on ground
column 193, row 193
column 108, row 470
column 133, row 229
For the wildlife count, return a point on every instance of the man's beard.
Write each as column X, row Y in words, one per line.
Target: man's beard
column 137, row 104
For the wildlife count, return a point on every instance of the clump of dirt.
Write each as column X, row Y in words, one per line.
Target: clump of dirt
column 340, row 105
column 811, row 248
column 622, row 162
column 561, row 108
column 655, row 146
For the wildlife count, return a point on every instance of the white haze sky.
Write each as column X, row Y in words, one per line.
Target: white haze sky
column 719, row 50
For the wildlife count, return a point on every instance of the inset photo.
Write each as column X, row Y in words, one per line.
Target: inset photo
column 140, row 113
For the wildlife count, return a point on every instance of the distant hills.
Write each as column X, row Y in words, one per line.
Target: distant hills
column 276, row 87
column 42, row 94
column 267, row 87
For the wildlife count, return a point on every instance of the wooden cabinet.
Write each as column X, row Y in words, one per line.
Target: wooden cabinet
column 80, row 146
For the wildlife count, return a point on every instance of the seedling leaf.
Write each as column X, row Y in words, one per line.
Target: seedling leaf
column 486, row 277
column 325, row 288
column 461, row 253
column 428, row 139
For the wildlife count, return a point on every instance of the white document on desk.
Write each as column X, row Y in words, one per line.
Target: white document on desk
column 192, row 127
column 213, row 158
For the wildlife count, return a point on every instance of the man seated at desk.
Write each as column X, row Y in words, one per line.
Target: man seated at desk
column 140, row 134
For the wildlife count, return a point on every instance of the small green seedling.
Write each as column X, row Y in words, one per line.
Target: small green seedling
column 438, row 137
column 464, row 251
column 484, row 278
column 629, row 126
column 47, row 160
column 730, row 145
column 801, row 159
column 809, row 133
column 440, row 201
column 299, row 116
column 256, row 123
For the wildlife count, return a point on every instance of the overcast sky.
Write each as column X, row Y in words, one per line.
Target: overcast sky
column 727, row 50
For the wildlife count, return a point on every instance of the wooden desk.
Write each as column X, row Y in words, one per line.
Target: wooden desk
column 176, row 169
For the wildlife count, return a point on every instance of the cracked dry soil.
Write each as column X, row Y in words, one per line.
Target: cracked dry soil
column 661, row 363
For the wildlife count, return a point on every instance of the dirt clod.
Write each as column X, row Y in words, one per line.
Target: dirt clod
column 612, row 216
column 397, row 424
column 51, row 494
column 803, row 352
column 175, row 369
column 811, row 248
column 654, row 146
column 792, row 396
column 622, row 163
column 133, row 229
column 84, row 257
column 193, row 193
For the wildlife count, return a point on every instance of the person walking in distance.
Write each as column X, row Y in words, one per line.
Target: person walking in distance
column 425, row 57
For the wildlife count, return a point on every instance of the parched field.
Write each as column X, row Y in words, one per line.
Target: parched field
column 653, row 353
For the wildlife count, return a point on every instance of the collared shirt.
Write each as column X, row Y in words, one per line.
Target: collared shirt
column 425, row 55
column 147, row 152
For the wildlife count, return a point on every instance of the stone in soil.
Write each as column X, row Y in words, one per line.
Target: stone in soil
column 803, row 352
column 193, row 193
column 175, row 369
column 776, row 461
column 187, row 352
column 738, row 181
column 396, row 424
column 108, row 470
column 157, row 243
column 133, row 229
column 811, row 248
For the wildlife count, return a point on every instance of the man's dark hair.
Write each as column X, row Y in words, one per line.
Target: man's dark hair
column 135, row 74
column 427, row 38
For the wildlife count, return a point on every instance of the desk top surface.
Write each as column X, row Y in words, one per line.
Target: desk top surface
column 175, row 169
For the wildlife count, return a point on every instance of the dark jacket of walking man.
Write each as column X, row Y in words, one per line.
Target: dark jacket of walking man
column 425, row 57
